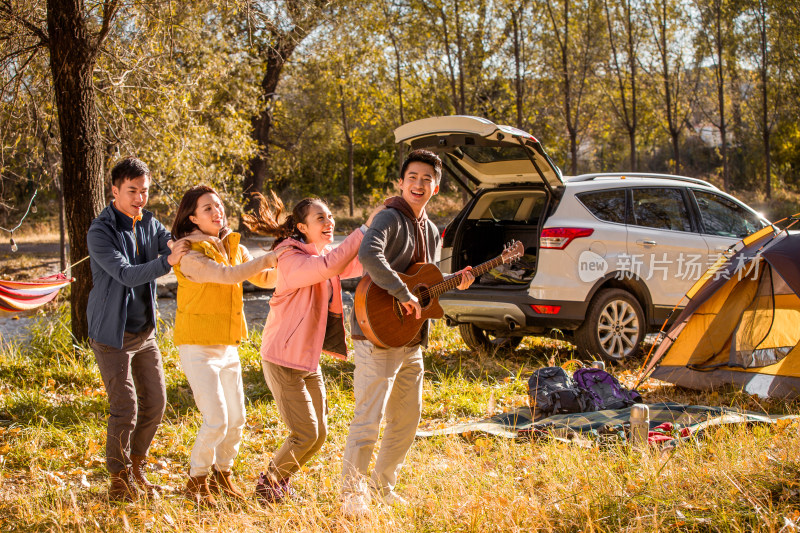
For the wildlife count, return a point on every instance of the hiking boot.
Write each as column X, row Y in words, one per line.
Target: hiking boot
column 288, row 491
column 123, row 487
column 138, row 471
column 223, row 482
column 197, row 491
column 267, row 491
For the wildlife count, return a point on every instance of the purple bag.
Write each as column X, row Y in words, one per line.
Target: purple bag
column 603, row 389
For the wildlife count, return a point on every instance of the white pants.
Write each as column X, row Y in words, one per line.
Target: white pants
column 215, row 375
column 387, row 384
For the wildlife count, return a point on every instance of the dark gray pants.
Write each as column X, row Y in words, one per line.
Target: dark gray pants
column 137, row 395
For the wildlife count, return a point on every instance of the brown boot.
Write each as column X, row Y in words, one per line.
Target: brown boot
column 223, row 481
column 138, row 471
column 197, row 491
column 123, row 487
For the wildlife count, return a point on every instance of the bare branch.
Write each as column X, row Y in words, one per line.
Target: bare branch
column 110, row 8
column 7, row 12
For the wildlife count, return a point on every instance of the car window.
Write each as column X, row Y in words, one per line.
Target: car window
column 504, row 208
column 491, row 154
column 724, row 217
column 660, row 208
column 605, row 205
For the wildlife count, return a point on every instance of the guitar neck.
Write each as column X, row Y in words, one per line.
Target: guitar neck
column 452, row 282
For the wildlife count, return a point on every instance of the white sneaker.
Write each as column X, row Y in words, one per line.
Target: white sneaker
column 393, row 499
column 354, row 504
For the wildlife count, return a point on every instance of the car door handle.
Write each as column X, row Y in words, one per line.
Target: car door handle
column 646, row 243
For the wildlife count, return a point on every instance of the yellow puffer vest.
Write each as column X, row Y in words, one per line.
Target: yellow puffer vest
column 211, row 313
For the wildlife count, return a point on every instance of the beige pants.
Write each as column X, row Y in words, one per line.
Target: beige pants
column 386, row 382
column 301, row 402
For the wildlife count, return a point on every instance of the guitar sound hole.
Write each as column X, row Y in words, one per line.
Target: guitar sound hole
column 423, row 296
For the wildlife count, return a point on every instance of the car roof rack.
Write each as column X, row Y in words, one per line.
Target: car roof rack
column 590, row 177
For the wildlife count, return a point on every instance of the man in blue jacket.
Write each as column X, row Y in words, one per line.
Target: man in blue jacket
column 129, row 249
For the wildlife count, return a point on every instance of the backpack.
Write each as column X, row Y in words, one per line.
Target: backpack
column 603, row 390
column 552, row 391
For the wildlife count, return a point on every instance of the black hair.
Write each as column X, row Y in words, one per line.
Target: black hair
column 183, row 225
column 129, row 168
column 423, row 156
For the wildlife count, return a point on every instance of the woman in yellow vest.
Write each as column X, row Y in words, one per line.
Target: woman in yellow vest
column 209, row 326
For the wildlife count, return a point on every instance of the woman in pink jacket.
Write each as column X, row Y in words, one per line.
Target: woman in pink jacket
column 305, row 319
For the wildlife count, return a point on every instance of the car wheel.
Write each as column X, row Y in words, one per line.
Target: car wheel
column 614, row 327
column 481, row 339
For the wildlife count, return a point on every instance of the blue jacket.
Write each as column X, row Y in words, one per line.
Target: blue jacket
column 113, row 275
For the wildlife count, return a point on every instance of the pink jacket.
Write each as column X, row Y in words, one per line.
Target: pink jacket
column 295, row 328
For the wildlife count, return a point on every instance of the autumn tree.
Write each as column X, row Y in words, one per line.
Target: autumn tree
column 718, row 43
column 572, row 31
column 623, row 20
column 670, row 70
column 763, row 36
column 73, row 35
column 275, row 30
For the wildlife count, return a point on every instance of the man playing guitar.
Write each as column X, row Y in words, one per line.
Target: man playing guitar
column 389, row 380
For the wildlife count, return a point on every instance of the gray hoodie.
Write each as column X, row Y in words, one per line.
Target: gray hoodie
column 388, row 248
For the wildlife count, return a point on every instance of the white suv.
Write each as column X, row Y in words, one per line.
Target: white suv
column 607, row 256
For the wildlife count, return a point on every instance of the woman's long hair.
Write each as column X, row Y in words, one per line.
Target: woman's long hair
column 183, row 226
column 267, row 212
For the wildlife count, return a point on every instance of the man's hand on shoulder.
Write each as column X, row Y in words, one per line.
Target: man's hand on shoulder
column 178, row 250
column 412, row 306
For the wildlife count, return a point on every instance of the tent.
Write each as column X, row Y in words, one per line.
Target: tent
column 741, row 325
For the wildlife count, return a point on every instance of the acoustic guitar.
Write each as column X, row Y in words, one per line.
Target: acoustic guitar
column 384, row 321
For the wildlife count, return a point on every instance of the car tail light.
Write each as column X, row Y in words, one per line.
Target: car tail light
column 559, row 238
column 443, row 232
column 546, row 309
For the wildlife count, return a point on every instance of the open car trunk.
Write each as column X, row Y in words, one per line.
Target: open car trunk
column 511, row 181
column 492, row 219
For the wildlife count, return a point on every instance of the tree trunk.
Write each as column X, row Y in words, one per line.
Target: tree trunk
column 399, row 77
column 349, row 143
column 573, row 151
column 258, row 175
column 676, row 150
column 450, row 68
column 720, row 74
column 633, row 53
column 763, row 71
column 515, row 16
column 668, row 79
column 62, row 235
column 72, row 60
column 567, row 79
column 460, row 56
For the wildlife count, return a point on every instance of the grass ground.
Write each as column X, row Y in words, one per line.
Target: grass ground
column 52, row 475
column 52, row 433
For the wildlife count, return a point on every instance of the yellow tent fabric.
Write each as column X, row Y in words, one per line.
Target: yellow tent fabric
column 742, row 323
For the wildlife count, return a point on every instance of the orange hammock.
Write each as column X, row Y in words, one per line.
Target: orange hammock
column 18, row 296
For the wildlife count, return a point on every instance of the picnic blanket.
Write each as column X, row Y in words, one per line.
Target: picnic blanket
column 672, row 420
